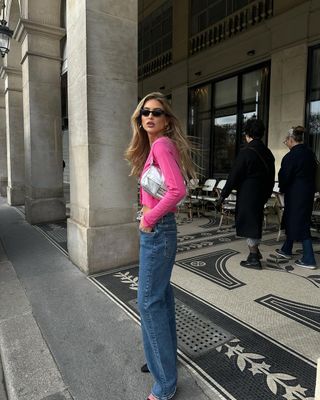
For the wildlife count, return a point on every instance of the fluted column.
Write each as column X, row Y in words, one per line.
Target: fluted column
column 41, row 65
column 102, row 89
column 14, row 135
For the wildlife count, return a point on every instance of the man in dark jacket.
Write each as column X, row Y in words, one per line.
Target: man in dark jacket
column 252, row 176
column 297, row 182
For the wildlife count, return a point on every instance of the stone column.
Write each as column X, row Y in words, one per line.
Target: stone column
column 102, row 89
column 3, row 143
column 180, row 105
column 41, row 65
column 14, row 135
column 287, row 95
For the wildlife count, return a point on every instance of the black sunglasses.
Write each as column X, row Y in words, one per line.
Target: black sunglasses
column 156, row 112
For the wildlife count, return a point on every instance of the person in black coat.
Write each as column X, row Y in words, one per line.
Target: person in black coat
column 297, row 182
column 252, row 176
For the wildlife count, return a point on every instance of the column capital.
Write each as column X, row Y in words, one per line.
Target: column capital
column 26, row 26
column 7, row 71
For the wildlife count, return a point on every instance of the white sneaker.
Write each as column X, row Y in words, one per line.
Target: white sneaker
column 300, row 263
column 281, row 254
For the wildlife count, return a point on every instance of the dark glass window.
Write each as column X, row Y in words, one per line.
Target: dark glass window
column 313, row 100
column 218, row 111
column 155, row 33
column 205, row 13
column 225, row 123
column 200, row 125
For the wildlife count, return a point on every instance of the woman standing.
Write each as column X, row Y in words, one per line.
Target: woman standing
column 159, row 140
column 297, row 182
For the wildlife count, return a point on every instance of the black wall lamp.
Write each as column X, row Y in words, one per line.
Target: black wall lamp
column 5, row 34
column 198, row 73
column 251, row 52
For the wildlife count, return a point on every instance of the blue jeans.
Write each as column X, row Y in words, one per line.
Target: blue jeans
column 156, row 305
column 308, row 255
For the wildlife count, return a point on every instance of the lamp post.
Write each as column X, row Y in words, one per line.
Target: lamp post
column 5, row 34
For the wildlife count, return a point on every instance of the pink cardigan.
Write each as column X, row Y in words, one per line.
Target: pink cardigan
column 166, row 157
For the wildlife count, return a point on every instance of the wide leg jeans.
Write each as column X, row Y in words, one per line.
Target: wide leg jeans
column 156, row 305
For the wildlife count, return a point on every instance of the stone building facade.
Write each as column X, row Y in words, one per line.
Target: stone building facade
column 69, row 85
column 228, row 60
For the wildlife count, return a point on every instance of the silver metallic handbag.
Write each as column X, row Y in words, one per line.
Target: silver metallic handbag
column 152, row 182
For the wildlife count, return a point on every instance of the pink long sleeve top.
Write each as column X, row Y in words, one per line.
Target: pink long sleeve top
column 166, row 157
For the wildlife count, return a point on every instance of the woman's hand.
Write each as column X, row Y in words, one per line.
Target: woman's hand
column 144, row 228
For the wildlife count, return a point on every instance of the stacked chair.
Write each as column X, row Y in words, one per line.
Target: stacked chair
column 200, row 197
column 278, row 206
column 206, row 194
column 228, row 207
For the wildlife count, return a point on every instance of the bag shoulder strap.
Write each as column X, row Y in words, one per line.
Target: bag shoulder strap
column 259, row 155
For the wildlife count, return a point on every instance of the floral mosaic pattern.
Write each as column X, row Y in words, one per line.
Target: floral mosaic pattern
column 277, row 382
column 129, row 279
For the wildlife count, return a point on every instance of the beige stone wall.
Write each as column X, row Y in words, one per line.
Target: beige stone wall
column 287, row 95
column 284, row 39
column 281, row 6
column 180, row 105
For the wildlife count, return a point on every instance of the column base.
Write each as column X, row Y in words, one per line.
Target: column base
column 98, row 249
column 3, row 186
column 44, row 210
column 16, row 195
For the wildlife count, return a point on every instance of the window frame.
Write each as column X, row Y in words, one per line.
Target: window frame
column 239, row 74
column 311, row 50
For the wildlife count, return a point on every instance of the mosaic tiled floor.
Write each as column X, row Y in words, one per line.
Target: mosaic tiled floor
column 267, row 322
column 242, row 363
column 270, row 318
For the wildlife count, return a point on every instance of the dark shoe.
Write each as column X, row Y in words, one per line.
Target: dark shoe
column 145, row 368
column 259, row 255
column 300, row 263
column 251, row 264
column 253, row 261
column 282, row 254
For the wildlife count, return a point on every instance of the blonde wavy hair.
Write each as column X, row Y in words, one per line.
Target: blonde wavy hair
column 139, row 147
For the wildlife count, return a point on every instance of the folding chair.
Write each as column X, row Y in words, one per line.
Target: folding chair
column 279, row 207
column 271, row 204
column 206, row 192
column 228, row 207
column 191, row 201
column 220, row 186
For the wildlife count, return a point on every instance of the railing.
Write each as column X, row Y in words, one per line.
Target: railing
column 155, row 65
column 239, row 21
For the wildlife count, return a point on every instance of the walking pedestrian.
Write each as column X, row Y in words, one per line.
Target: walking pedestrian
column 297, row 183
column 252, row 176
column 158, row 140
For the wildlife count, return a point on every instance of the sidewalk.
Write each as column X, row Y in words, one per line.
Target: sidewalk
column 62, row 338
